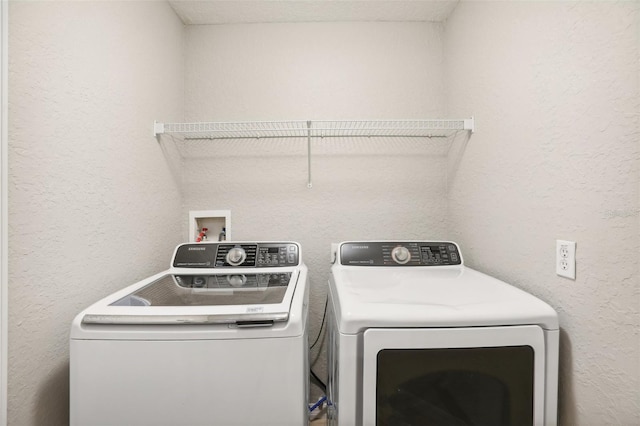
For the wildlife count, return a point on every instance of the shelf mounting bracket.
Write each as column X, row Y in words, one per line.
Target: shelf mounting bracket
column 469, row 124
column 158, row 129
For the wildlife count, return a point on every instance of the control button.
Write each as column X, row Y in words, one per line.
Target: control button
column 292, row 248
column 292, row 258
column 236, row 256
column 401, row 255
column 454, row 257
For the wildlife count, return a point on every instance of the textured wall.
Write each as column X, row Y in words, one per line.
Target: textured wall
column 362, row 189
column 554, row 87
column 93, row 205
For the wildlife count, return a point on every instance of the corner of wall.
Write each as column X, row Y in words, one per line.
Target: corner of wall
column 4, row 199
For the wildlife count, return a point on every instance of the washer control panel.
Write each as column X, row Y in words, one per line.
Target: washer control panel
column 241, row 254
column 400, row 253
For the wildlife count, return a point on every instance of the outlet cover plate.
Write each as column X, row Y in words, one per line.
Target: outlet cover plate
column 566, row 259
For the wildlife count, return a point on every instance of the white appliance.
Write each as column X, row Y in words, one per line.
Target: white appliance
column 220, row 338
column 417, row 338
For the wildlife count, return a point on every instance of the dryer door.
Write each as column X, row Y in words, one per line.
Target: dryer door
column 456, row 376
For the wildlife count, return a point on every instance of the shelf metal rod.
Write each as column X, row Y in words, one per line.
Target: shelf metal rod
column 200, row 138
column 309, row 184
column 330, row 129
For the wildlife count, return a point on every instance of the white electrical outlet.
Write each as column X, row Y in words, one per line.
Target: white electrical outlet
column 566, row 259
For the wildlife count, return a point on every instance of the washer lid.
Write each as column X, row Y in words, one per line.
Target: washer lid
column 448, row 296
column 242, row 297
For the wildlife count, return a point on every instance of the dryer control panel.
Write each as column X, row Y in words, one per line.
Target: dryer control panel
column 240, row 254
column 400, row 253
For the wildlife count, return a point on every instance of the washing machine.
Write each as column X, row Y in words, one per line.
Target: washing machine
column 220, row 338
column 418, row 338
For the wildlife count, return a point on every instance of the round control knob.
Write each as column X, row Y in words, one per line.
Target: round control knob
column 401, row 255
column 199, row 281
column 236, row 256
column 236, row 280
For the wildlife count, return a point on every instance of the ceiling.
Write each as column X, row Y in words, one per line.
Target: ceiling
column 207, row 12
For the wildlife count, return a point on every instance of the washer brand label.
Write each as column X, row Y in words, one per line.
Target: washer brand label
column 197, row 248
column 192, row 264
column 360, row 247
column 255, row 309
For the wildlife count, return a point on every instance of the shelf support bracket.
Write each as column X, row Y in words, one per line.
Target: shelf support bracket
column 158, row 128
column 469, row 124
column 309, row 184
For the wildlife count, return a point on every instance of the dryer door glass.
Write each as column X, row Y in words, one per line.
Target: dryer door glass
column 454, row 376
column 458, row 386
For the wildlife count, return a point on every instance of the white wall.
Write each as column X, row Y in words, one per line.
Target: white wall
column 4, row 205
column 362, row 189
column 554, row 87
column 93, row 203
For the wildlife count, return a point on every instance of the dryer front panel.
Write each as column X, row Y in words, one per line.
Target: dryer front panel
column 478, row 375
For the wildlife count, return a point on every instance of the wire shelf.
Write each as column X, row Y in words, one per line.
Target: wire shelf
column 315, row 129
column 238, row 130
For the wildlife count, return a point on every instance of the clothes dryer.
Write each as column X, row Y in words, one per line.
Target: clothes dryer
column 218, row 338
column 417, row 338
